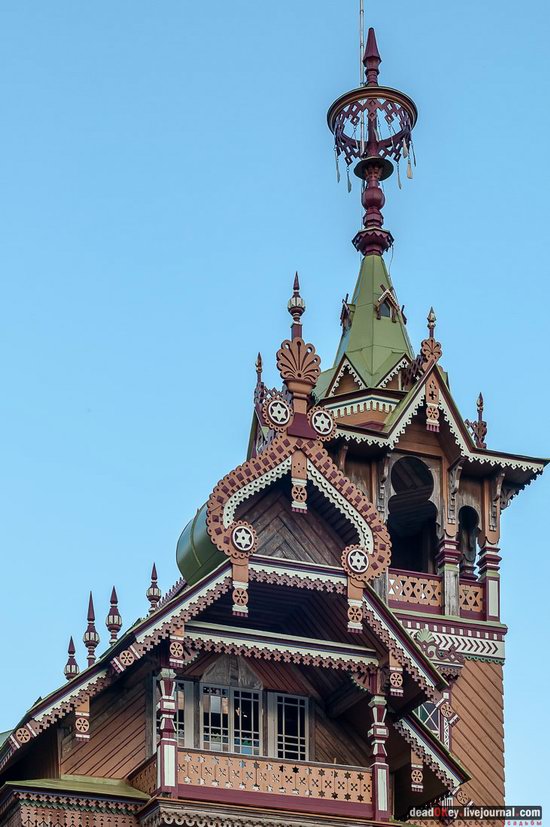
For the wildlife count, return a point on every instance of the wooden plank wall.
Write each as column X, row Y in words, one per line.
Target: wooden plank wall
column 117, row 735
column 285, row 535
column 478, row 738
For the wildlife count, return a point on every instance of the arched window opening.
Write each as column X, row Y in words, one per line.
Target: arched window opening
column 412, row 517
column 468, row 529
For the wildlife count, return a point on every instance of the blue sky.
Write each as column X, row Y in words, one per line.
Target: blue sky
column 165, row 168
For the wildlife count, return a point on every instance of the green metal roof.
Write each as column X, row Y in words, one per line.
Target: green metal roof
column 83, row 784
column 196, row 554
column 373, row 346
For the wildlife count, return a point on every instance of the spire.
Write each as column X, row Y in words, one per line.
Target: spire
column 71, row 667
column 153, row 592
column 372, row 59
column 296, row 308
column 374, row 335
column 91, row 637
column 113, row 621
column 373, row 124
column 479, row 427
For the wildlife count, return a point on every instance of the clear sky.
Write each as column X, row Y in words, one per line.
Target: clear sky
column 165, row 168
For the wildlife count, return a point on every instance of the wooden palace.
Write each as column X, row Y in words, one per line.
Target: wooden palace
column 332, row 653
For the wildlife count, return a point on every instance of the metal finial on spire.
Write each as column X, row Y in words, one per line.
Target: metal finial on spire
column 91, row 637
column 479, row 427
column 372, row 59
column 296, row 307
column 153, row 592
column 386, row 118
column 431, row 322
column 113, row 621
column 259, row 366
column 71, row 667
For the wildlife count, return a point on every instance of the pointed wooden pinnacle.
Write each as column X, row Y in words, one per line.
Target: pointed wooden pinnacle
column 113, row 621
column 91, row 637
column 71, row 667
column 153, row 592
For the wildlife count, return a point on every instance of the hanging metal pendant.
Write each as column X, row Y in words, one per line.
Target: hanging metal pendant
column 405, row 150
column 337, row 166
column 349, row 180
column 409, row 169
column 413, row 153
column 399, row 177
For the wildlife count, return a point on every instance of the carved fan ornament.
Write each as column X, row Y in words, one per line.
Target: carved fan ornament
column 296, row 448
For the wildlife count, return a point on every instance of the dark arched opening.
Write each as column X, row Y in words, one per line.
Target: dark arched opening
column 412, row 517
column 468, row 529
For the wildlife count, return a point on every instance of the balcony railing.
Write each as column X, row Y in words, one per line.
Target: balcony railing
column 269, row 782
column 424, row 593
column 472, row 600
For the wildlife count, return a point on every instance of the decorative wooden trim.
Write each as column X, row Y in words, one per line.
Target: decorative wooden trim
column 472, row 600
column 412, row 734
column 266, row 777
column 410, row 588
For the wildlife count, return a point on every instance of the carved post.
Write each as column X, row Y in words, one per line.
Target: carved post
column 378, row 734
column 489, row 574
column 167, row 750
column 448, row 559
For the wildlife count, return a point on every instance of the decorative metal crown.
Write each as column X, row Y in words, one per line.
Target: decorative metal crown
column 373, row 124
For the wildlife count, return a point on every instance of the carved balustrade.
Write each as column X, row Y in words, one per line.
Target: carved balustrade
column 269, row 782
column 419, row 592
column 472, row 600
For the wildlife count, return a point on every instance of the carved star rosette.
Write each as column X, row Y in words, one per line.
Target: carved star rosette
column 322, row 422
column 356, row 562
column 243, row 540
column 277, row 413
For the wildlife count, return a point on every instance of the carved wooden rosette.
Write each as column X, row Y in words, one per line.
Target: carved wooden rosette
column 362, row 564
column 82, row 720
column 417, row 773
column 432, row 405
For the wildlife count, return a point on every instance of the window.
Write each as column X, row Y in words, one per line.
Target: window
column 231, row 720
column 385, row 310
column 429, row 715
column 289, row 729
column 183, row 721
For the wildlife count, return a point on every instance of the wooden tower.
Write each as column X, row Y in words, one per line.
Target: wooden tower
column 332, row 653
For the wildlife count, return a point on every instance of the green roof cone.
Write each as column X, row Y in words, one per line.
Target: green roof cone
column 374, row 338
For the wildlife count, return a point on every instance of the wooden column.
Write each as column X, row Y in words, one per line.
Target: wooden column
column 167, row 750
column 489, row 574
column 448, row 560
column 378, row 734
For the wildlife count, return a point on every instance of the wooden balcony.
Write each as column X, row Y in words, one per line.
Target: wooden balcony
column 325, row 789
column 420, row 592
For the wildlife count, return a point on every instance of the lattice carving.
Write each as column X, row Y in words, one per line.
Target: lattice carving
column 415, row 589
column 472, row 597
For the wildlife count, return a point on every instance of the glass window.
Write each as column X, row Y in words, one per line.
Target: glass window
column 429, row 715
column 246, row 722
column 215, row 718
column 291, row 732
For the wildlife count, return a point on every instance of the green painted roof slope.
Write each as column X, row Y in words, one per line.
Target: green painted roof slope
column 83, row 784
column 196, row 554
column 373, row 346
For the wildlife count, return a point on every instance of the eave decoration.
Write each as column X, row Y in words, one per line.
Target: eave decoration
column 295, row 431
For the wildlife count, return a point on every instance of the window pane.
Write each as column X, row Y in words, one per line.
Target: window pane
column 291, row 728
column 215, row 718
column 246, row 722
